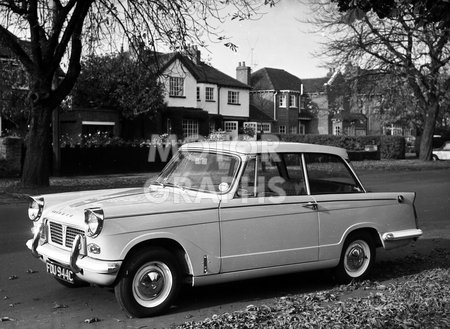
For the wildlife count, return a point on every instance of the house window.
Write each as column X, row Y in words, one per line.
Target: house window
column 231, row 126
column 293, row 102
column 176, row 86
column 198, row 94
column 264, row 127
column 293, row 130
column 282, row 129
column 190, row 128
column 209, row 94
column 282, row 100
column 233, row 97
column 337, row 130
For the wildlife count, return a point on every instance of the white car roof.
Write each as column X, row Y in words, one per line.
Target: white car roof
column 254, row 147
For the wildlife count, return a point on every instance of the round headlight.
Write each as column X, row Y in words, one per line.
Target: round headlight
column 35, row 208
column 94, row 221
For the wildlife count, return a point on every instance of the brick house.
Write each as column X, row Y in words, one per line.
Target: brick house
column 276, row 100
column 350, row 98
column 315, row 93
column 337, row 104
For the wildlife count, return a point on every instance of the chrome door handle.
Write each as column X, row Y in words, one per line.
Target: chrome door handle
column 312, row 205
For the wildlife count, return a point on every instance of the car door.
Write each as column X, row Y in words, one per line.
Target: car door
column 341, row 201
column 270, row 221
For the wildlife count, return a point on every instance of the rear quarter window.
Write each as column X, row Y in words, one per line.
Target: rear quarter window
column 329, row 174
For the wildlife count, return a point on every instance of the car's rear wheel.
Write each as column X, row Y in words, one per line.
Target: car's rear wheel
column 357, row 258
column 149, row 283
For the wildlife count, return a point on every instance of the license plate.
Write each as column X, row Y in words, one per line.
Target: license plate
column 60, row 272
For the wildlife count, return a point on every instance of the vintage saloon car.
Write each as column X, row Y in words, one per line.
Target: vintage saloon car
column 442, row 153
column 218, row 212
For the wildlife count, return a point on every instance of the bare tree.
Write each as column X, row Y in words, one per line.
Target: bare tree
column 404, row 43
column 59, row 31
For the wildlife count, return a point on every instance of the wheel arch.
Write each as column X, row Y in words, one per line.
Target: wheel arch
column 371, row 231
column 168, row 244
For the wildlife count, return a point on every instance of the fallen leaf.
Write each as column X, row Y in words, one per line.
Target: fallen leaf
column 92, row 320
column 6, row 318
column 57, row 306
column 30, row 271
column 13, row 277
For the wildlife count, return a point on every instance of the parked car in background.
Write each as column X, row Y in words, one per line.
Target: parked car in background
column 221, row 212
column 442, row 153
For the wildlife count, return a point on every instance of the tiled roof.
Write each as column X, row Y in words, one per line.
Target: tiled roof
column 315, row 85
column 274, row 79
column 258, row 115
column 203, row 72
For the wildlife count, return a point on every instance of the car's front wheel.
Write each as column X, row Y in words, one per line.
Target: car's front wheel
column 358, row 256
column 149, row 283
column 434, row 157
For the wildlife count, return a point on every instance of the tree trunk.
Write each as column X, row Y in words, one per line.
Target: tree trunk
column 36, row 167
column 426, row 142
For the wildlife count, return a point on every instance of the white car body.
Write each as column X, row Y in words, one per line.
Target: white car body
column 230, row 232
column 442, row 153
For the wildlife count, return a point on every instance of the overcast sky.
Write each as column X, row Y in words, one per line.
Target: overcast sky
column 277, row 40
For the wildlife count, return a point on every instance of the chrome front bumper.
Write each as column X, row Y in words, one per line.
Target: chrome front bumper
column 88, row 269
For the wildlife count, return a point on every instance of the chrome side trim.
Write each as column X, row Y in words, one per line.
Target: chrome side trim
column 400, row 235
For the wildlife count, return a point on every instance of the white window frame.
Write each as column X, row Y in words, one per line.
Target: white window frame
column 293, row 130
column 282, row 129
column 233, row 97
column 230, row 125
column 209, row 94
column 282, row 100
column 293, row 101
column 176, row 86
column 190, row 128
column 198, row 94
column 264, row 127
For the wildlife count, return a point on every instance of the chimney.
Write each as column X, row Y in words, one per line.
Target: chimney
column 193, row 53
column 243, row 73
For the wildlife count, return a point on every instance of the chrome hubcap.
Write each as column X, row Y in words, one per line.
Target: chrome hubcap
column 152, row 284
column 357, row 258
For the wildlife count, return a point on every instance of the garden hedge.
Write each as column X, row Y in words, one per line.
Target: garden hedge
column 389, row 147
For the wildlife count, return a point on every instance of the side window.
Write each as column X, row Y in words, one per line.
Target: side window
column 329, row 174
column 276, row 175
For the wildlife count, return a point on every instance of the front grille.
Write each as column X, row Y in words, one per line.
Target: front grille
column 63, row 235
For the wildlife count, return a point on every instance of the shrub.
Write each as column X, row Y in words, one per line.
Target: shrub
column 389, row 147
